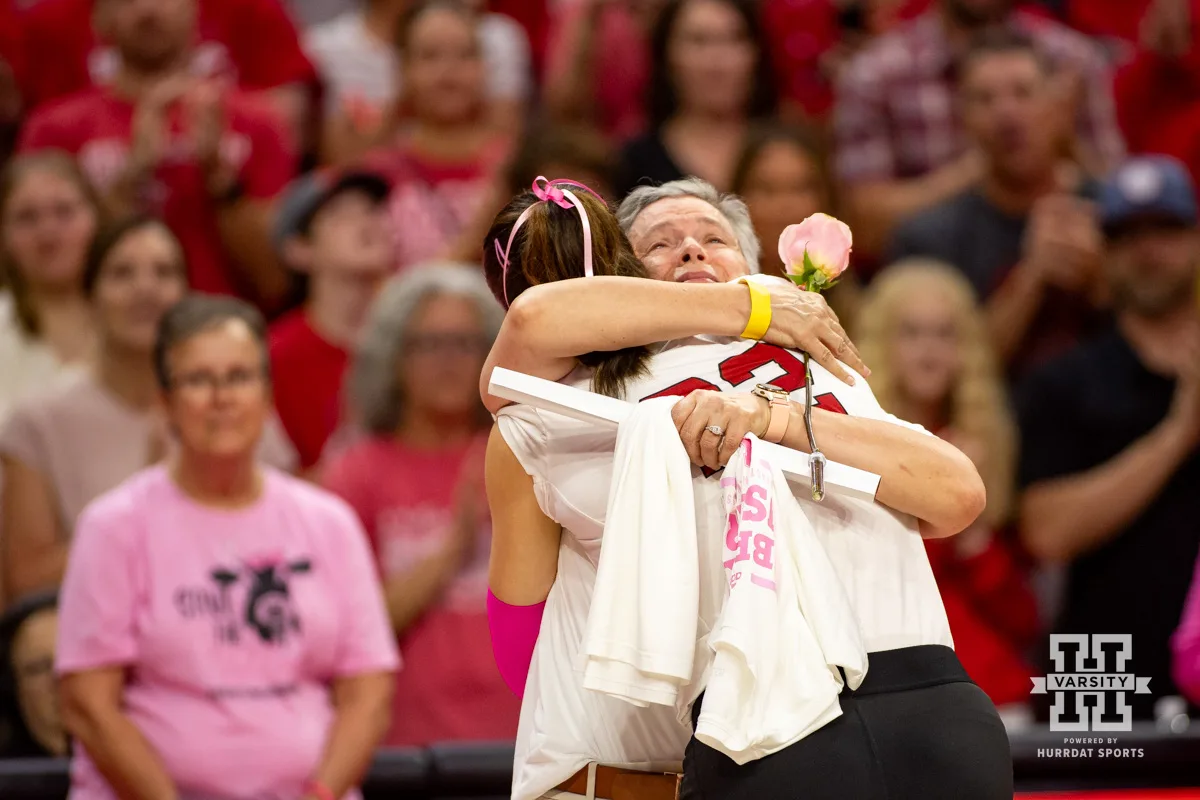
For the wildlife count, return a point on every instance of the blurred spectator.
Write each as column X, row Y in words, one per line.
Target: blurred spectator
column 28, row 631
column 598, row 65
column 900, row 146
column 552, row 150
column 926, row 340
column 1158, row 90
column 810, row 39
column 783, row 177
column 1185, row 644
column 442, row 159
column 222, row 629
column 574, row 152
column 62, row 449
column 356, row 55
column 157, row 139
column 1109, row 431
column 1024, row 234
column 332, row 228
column 416, row 482
column 48, row 216
column 253, row 43
column 710, row 77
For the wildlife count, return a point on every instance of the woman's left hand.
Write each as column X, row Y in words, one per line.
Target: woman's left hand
column 734, row 414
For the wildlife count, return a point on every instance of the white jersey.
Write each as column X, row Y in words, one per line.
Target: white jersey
column 878, row 555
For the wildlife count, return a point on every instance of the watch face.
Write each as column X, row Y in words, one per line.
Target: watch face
column 770, row 387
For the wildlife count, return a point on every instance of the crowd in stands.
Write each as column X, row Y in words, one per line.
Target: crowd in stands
column 1020, row 178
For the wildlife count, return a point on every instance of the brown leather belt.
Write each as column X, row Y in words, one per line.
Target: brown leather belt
column 614, row 783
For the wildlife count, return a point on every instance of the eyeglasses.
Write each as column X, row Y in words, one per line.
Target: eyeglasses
column 206, row 383
column 445, row 344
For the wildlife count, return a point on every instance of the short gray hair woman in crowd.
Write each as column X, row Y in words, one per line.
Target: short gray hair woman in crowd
column 416, row 481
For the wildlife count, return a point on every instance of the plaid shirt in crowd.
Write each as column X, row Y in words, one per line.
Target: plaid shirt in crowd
column 895, row 114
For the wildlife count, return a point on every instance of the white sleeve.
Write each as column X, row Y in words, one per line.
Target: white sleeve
column 524, row 430
column 506, row 55
column 570, row 463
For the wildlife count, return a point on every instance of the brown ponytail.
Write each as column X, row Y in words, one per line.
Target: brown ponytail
column 549, row 247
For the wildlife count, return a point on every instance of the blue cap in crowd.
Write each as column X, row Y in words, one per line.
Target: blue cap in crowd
column 1156, row 187
column 305, row 196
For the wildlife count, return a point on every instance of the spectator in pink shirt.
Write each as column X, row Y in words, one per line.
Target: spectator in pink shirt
column 417, row 484
column 222, row 633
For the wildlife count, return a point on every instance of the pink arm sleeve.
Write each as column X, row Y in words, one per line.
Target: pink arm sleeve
column 1185, row 644
column 514, row 633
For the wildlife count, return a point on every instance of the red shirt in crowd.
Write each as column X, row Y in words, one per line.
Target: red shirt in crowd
column 95, row 127
column 307, row 373
column 449, row 687
column 992, row 615
column 1157, row 96
column 254, row 41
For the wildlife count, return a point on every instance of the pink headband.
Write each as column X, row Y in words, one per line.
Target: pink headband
column 564, row 198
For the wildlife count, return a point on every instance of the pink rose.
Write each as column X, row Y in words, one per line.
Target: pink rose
column 816, row 252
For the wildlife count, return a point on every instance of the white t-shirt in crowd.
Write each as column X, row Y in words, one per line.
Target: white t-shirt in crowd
column 356, row 65
column 27, row 366
column 877, row 553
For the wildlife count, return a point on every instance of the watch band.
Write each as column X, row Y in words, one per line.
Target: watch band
column 781, row 411
column 781, row 415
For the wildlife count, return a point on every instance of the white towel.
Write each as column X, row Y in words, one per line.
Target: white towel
column 641, row 628
column 786, row 625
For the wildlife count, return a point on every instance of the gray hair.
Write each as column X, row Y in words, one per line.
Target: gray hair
column 374, row 384
column 732, row 207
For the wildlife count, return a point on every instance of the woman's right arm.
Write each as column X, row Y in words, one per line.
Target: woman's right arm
column 91, row 713
column 552, row 324
column 33, row 551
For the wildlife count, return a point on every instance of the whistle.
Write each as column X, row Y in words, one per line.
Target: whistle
column 816, row 459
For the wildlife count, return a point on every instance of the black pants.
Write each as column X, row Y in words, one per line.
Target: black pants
column 917, row 729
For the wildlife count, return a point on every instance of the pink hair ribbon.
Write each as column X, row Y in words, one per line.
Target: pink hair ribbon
column 548, row 191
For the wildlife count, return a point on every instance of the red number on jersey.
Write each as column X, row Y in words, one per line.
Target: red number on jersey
column 829, row 402
column 740, row 368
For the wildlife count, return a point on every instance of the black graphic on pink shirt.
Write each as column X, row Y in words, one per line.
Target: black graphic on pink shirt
column 253, row 598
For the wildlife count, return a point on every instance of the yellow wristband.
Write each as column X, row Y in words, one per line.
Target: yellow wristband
column 760, row 310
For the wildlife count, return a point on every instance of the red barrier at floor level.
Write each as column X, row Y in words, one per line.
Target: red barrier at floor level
column 1124, row 794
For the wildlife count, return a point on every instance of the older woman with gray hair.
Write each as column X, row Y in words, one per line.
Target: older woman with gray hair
column 416, row 482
